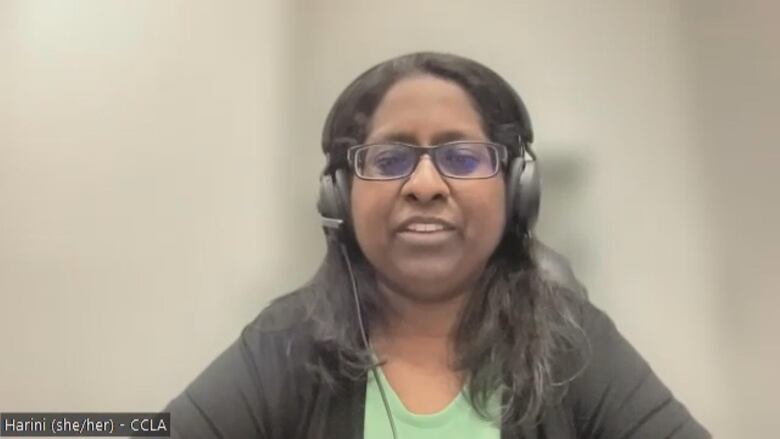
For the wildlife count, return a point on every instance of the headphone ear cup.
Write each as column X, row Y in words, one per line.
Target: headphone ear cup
column 333, row 201
column 512, row 189
column 530, row 194
column 523, row 193
column 327, row 204
column 342, row 195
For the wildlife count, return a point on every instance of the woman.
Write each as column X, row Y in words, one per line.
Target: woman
column 436, row 313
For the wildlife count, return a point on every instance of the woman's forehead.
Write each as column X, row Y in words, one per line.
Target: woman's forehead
column 425, row 109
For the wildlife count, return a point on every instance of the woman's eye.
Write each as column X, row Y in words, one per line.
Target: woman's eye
column 387, row 161
column 462, row 161
column 391, row 163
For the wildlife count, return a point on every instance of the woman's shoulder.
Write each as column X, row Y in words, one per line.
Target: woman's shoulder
column 287, row 312
column 617, row 391
column 556, row 270
column 281, row 332
column 256, row 384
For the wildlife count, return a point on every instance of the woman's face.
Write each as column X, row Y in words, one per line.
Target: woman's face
column 425, row 265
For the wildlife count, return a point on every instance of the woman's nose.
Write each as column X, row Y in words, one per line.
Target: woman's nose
column 425, row 184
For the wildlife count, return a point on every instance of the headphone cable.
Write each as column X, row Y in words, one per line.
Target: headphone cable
column 365, row 338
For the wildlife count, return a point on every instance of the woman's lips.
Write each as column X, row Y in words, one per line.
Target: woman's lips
column 429, row 238
column 425, row 228
column 419, row 223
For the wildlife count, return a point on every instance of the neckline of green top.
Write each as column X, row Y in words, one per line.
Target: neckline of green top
column 454, row 409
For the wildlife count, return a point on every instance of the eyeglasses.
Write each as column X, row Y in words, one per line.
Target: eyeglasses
column 465, row 159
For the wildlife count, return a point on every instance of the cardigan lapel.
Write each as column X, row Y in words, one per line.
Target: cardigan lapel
column 346, row 412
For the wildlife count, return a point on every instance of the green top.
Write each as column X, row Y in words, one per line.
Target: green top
column 457, row 420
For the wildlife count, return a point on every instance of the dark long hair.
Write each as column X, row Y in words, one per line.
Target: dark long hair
column 519, row 324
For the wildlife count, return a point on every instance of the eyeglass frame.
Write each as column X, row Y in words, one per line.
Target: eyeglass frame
column 502, row 150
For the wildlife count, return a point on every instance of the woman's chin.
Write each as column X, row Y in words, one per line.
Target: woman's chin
column 432, row 281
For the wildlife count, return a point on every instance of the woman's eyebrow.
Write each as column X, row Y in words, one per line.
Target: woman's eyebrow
column 397, row 137
column 438, row 138
column 449, row 136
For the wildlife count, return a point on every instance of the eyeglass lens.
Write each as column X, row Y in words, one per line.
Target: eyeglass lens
column 458, row 160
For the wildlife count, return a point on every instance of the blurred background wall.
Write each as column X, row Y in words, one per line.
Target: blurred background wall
column 159, row 166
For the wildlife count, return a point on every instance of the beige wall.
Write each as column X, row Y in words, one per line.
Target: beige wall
column 736, row 65
column 143, row 145
column 159, row 162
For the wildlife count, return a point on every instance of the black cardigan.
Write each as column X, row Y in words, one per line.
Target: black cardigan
column 257, row 388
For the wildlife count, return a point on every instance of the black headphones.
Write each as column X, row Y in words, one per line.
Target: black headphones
column 523, row 191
